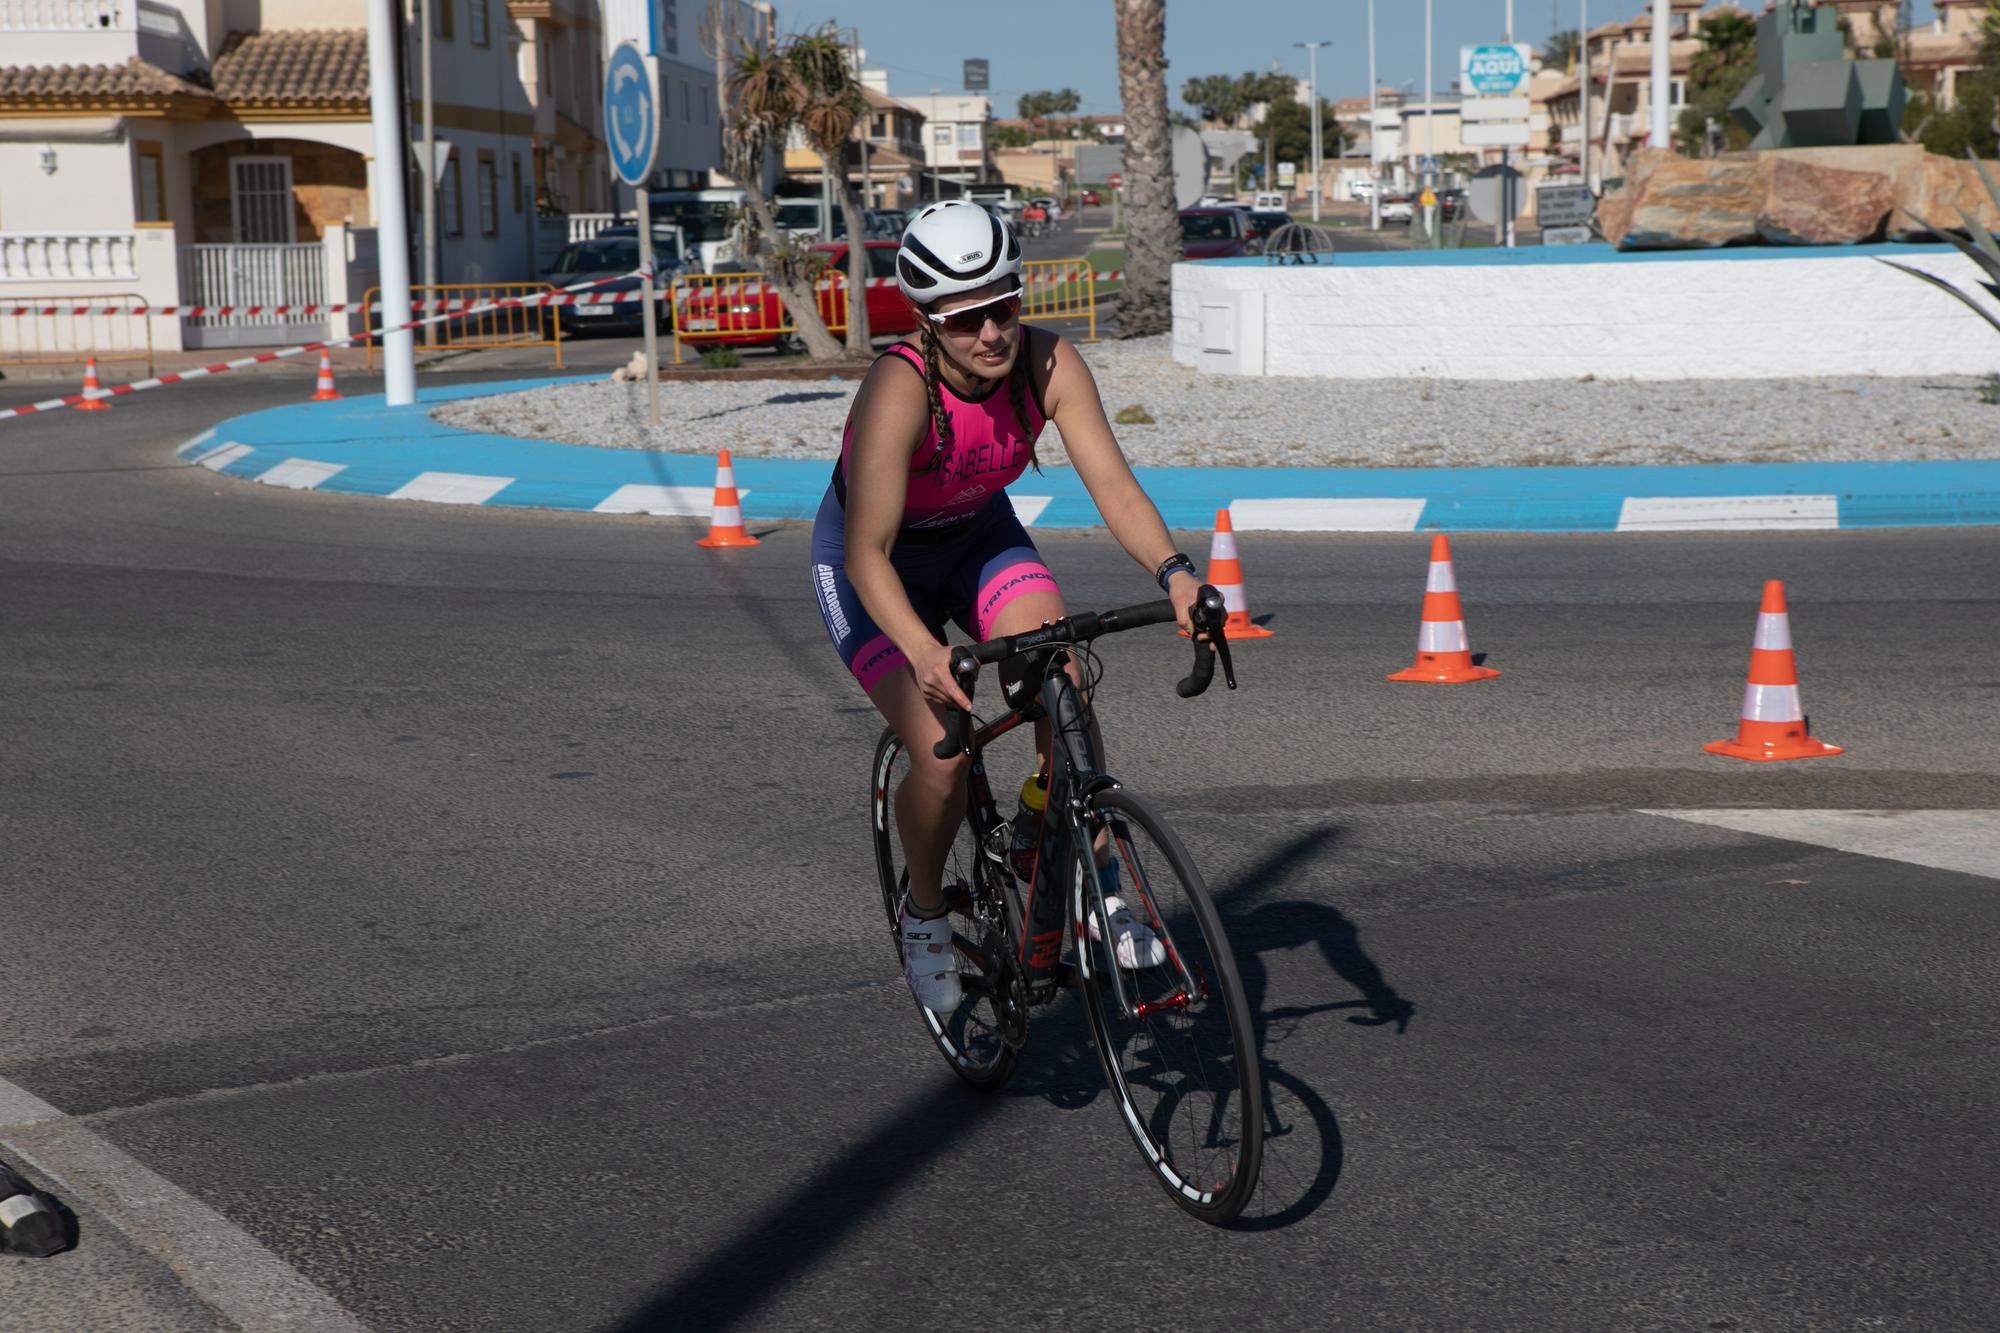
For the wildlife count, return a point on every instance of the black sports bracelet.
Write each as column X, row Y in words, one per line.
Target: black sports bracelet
column 1167, row 567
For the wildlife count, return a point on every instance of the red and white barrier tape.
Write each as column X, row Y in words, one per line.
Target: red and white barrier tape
column 463, row 307
column 138, row 386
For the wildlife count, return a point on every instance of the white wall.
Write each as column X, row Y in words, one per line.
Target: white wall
column 91, row 189
column 1624, row 318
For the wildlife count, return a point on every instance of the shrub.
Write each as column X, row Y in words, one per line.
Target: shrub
column 720, row 358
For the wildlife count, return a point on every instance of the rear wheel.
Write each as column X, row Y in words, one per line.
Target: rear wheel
column 1179, row 1051
column 980, row 1040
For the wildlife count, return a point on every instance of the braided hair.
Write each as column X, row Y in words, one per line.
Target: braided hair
column 1017, row 395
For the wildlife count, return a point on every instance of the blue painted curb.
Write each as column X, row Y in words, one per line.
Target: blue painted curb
column 361, row 446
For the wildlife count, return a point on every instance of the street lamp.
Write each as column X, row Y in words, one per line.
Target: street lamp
column 1312, row 84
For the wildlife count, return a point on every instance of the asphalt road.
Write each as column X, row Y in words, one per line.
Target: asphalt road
column 474, row 907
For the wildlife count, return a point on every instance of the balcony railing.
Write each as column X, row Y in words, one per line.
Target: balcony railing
column 69, row 15
column 63, row 256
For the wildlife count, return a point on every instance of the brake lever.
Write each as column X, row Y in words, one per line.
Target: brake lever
column 1221, row 641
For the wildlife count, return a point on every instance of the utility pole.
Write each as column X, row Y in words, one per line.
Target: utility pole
column 385, row 107
column 1583, row 69
column 1374, row 155
column 1312, row 85
column 430, row 173
column 1662, row 72
column 1430, row 131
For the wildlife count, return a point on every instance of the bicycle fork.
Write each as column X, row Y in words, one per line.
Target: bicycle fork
column 1087, row 903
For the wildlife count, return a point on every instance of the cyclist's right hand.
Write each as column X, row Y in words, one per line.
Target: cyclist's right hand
column 935, row 678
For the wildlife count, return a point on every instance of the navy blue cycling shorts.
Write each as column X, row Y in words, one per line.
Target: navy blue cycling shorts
column 966, row 578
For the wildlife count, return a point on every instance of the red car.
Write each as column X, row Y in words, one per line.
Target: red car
column 1212, row 233
column 1091, row 197
column 721, row 311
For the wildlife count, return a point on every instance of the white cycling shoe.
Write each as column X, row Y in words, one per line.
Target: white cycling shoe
column 1133, row 942
column 930, row 964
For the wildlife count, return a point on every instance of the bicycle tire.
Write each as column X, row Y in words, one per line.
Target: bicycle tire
column 1203, row 1139
column 974, row 1039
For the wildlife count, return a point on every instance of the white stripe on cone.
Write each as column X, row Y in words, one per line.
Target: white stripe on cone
column 728, row 516
column 1232, row 597
column 725, row 476
column 1771, row 703
column 1223, row 547
column 1440, row 578
column 1441, row 636
column 1773, row 631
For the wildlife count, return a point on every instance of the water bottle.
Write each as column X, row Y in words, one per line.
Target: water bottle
column 1028, row 826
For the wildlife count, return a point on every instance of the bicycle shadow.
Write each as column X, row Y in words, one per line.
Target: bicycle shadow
column 1291, row 1189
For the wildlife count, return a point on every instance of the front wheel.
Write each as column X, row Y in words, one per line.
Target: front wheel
column 1176, row 1039
column 980, row 1039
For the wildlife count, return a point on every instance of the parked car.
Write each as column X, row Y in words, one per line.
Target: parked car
column 1090, row 199
column 1361, row 189
column 1396, row 206
column 740, row 319
column 1212, row 233
column 1260, row 224
column 800, row 218
column 609, row 254
column 1452, row 204
column 885, row 224
column 1269, row 200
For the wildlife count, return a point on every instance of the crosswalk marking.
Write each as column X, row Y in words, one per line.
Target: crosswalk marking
column 1967, row 841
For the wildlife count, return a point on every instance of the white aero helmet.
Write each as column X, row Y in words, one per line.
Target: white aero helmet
column 952, row 247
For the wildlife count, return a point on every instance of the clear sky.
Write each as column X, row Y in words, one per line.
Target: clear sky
column 1070, row 43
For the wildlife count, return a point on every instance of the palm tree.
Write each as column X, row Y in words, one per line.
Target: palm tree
column 1728, row 40
column 1153, row 231
column 1560, row 49
column 760, row 96
column 832, row 104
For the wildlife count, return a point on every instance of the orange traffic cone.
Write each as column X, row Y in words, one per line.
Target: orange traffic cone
column 725, row 524
column 325, row 392
column 90, row 385
column 1772, row 726
column 1442, row 655
column 1225, row 575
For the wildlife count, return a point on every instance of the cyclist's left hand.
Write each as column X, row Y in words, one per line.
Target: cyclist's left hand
column 1181, row 588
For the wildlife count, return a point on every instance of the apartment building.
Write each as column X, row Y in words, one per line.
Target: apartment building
column 956, row 146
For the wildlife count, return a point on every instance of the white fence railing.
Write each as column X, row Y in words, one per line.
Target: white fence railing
column 240, row 275
column 68, row 15
column 91, row 256
column 583, row 226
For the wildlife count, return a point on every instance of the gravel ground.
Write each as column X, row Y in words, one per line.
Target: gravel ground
column 1221, row 420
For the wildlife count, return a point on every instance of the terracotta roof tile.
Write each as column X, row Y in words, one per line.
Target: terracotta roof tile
column 310, row 66
column 70, row 83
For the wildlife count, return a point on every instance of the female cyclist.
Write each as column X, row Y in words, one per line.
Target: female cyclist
column 916, row 528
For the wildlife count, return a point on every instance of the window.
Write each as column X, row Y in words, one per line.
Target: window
column 942, row 135
column 475, row 20
column 704, row 104
column 441, row 17
column 486, row 180
column 667, row 41
column 514, row 162
column 882, row 261
column 687, row 103
column 968, row 136
column 151, row 167
column 260, row 200
column 449, row 203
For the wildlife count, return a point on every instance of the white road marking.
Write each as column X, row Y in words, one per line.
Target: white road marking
column 219, row 1262
column 451, row 488
column 673, row 501
column 1028, row 508
column 196, row 442
column 301, row 474
column 1710, row 513
column 1329, row 515
column 223, row 455
column 1967, row 841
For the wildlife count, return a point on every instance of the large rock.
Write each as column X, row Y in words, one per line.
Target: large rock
column 1806, row 204
column 1792, row 196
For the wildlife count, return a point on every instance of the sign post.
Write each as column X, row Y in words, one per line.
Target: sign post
column 632, row 124
column 1495, row 113
column 1563, row 213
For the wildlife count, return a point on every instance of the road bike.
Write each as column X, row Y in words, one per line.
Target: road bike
column 1175, row 1039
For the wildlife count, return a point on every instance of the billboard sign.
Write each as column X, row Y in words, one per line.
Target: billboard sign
column 977, row 76
column 1494, row 70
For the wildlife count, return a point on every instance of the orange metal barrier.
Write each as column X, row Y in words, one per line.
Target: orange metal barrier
column 41, row 339
column 508, row 326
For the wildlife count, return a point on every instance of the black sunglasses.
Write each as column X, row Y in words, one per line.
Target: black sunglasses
column 1001, row 310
